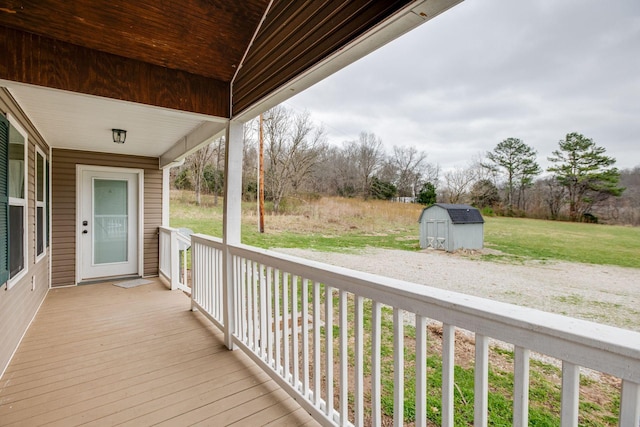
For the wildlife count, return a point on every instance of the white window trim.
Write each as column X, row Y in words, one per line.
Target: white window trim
column 22, row 202
column 40, row 204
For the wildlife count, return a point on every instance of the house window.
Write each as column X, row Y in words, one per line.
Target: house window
column 41, row 204
column 17, row 184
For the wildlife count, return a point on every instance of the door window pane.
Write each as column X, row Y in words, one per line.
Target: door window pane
column 111, row 223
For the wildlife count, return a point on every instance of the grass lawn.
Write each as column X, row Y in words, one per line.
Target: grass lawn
column 343, row 225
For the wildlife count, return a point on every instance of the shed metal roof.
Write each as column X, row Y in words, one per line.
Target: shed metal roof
column 460, row 213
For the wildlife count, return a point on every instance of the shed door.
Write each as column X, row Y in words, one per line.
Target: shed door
column 108, row 228
column 437, row 234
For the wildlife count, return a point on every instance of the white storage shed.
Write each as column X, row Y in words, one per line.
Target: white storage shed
column 450, row 227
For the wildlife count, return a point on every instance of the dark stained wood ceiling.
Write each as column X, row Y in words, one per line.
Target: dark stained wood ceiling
column 202, row 37
column 180, row 54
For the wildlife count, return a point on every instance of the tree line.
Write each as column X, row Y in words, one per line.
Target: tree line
column 581, row 184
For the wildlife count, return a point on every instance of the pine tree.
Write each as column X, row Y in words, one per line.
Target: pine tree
column 586, row 173
column 517, row 161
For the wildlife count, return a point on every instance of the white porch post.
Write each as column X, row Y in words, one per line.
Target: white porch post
column 166, row 196
column 231, row 220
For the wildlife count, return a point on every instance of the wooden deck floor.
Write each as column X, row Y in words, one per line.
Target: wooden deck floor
column 103, row 355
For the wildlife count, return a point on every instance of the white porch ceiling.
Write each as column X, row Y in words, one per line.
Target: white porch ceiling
column 83, row 122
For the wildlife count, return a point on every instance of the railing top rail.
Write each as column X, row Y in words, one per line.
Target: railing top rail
column 181, row 237
column 604, row 348
column 207, row 240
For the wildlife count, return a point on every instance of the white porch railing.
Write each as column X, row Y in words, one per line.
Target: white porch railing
column 279, row 316
column 173, row 258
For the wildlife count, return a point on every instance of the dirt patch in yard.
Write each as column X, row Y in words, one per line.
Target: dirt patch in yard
column 600, row 293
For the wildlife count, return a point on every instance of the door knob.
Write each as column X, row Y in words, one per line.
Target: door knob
column 84, row 231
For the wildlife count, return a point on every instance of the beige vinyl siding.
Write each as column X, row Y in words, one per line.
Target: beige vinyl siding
column 19, row 304
column 64, row 207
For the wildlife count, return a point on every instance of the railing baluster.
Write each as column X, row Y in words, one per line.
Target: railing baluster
column 421, row 370
column 481, row 382
column 215, row 282
column 317, row 362
column 263, row 312
column 174, row 262
column 256, row 307
column 249, row 298
column 276, row 317
column 211, row 282
column 376, row 409
column 570, row 394
column 242, row 295
column 194, row 273
column 448, row 363
column 630, row 404
column 204, row 300
column 184, row 267
column 305, row 338
column 270, row 319
column 359, row 362
column 219, row 283
column 398, row 367
column 344, row 360
column 328, row 348
column 295, row 330
column 521, row 387
column 285, row 327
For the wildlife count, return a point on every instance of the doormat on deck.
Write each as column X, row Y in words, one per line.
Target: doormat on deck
column 132, row 283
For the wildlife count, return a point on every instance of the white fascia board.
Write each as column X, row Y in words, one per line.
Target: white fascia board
column 202, row 135
column 405, row 20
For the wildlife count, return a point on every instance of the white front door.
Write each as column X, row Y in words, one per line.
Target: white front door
column 108, row 224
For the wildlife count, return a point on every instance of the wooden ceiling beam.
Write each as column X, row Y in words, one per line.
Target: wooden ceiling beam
column 37, row 60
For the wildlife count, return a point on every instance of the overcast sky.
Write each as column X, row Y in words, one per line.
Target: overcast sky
column 487, row 70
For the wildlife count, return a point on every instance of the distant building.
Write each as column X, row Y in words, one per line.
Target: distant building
column 404, row 199
column 450, row 227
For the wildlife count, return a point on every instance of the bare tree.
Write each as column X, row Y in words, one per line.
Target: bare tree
column 457, row 184
column 308, row 142
column 196, row 164
column 249, row 161
column 366, row 155
column 293, row 145
column 216, row 182
column 335, row 173
column 409, row 164
column 554, row 197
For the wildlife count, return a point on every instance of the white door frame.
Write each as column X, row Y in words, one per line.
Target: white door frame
column 80, row 169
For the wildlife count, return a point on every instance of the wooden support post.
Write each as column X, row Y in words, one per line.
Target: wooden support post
column 261, row 179
column 231, row 221
column 166, row 195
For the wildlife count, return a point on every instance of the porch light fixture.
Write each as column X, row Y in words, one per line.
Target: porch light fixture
column 119, row 135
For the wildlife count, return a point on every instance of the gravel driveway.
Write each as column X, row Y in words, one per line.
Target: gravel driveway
column 601, row 293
